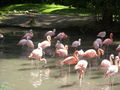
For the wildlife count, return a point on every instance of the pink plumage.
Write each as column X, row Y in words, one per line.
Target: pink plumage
column 108, row 41
column 63, row 52
column 118, row 48
column 50, row 33
column 61, row 36
column 102, row 34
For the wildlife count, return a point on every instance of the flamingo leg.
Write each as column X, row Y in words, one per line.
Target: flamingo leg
column 69, row 68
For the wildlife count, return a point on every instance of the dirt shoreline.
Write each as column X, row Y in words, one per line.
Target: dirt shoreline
column 61, row 22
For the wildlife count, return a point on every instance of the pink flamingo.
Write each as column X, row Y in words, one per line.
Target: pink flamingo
column 27, row 42
column 37, row 54
column 102, row 34
column 59, row 45
column 118, row 48
column 63, row 52
column 30, row 44
column 91, row 53
column 71, row 59
column 50, row 33
column 46, row 43
column 107, row 63
column 81, row 66
column 28, row 35
column 108, row 41
column 113, row 69
column 97, row 43
column 61, row 36
column 76, row 43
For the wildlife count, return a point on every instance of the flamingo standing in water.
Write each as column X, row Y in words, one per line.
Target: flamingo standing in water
column 63, row 52
column 50, row 33
column 108, row 41
column 37, row 54
column 46, row 43
column 81, row 66
column 71, row 59
column 91, row 53
column 113, row 69
column 107, row 63
column 76, row 43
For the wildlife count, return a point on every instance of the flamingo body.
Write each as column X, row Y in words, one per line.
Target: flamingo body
column 76, row 43
column 46, row 43
column 118, row 48
column 59, row 45
column 102, row 34
column 50, row 33
column 61, row 36
column 81, row 65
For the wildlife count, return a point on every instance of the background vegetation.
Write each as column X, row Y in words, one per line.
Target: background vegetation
column 107, row 11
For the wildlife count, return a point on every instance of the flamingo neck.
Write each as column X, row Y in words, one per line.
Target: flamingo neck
column 99, row 53
column 49, row 38
column 111, row 36
column 111, row 58
column 76, row 55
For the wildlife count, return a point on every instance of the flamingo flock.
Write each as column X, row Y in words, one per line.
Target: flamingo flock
column 79, row 58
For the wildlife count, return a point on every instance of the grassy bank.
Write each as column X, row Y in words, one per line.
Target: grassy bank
column 43, row 9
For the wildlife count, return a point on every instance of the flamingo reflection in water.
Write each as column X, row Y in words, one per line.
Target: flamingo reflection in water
column 38, row 76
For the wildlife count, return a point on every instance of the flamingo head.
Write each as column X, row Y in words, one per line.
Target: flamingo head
column 111, row 35
column 102, row 51
column 54, row 30
column 49, row 38
column 66, row 47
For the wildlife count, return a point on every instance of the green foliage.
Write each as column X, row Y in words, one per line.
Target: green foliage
column 43, row 9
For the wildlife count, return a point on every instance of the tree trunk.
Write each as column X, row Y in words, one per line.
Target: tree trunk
column 107, row 17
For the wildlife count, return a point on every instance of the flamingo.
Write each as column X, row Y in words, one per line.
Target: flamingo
column 50, row 33
column 108, row 41
column 71, row 59
column 113, row 69
column 46, row 43
column 63, row 52
column 97, row 43
column 102, row 34
column 107, row 63
column 81, row 66
column 91, row 53
column 61, row 36
column 118, row 48
column 76, row 43
column 28, row 34
column 26, row 42
column 37, row 54
column 59, row 45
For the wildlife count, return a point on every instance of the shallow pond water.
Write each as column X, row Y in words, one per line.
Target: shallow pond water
column 18, row 72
